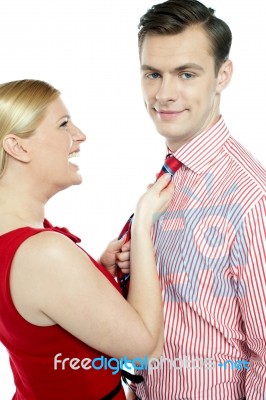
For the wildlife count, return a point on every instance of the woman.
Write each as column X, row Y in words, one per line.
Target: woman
column 60, row 309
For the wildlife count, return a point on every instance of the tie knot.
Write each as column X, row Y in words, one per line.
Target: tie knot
column 171, row 165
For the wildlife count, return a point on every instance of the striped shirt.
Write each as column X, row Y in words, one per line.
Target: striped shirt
column 211, row 250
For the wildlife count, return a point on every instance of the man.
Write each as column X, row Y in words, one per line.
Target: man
column 210, row 245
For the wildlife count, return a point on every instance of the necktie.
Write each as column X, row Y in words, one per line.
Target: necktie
column 171, row 165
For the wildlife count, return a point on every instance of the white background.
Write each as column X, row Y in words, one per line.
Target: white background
column 88, row 50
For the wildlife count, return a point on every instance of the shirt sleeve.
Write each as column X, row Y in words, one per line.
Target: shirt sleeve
column 249, row 254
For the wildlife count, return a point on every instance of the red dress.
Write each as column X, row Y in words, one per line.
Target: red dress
column 32, row 348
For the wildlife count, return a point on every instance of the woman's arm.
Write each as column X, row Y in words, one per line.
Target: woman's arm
column 54, row 282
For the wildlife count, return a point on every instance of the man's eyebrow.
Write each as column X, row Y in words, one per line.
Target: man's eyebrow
column 189, row 66
column 183, row 67
column 145, row 67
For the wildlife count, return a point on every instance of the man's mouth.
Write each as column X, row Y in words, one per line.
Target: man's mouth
column 169, row 114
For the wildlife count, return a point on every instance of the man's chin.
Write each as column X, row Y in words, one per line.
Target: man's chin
column 167, row 133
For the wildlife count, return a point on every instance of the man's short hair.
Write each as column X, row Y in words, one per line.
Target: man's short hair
column 174, row 16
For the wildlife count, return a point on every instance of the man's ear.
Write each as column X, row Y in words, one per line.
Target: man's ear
column 16, row 147
column 224, row 76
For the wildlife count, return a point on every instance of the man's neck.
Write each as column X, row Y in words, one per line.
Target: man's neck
column 174, row 145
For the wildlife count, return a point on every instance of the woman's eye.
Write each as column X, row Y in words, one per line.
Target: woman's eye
column 64, row 124
column 153, row 76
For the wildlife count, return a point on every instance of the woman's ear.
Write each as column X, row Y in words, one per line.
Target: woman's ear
column 224, row 76
column 16, row 147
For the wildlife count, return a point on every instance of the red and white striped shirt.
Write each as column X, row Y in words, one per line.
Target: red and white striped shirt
column 211, row 251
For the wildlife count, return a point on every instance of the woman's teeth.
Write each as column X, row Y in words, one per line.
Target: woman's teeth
column 74, row 154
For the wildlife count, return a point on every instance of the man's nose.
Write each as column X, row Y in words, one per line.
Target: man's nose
column 168, row 90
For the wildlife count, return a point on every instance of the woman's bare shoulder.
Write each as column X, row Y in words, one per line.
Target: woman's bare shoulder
column 47, row 244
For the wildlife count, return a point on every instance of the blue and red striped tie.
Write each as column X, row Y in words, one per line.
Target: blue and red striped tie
column 171, row 165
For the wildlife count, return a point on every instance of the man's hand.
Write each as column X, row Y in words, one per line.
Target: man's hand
column 116, row 255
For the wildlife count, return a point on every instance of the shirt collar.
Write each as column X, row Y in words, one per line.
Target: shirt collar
column 198, row 154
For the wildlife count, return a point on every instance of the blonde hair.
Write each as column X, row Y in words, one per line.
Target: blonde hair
column 22, row 106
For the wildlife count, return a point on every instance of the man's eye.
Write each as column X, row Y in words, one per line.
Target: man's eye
column 153, row 76
column 186, row 75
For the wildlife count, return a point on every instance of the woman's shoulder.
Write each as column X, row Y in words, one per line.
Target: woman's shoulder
column 45, row 244
column 15, row 230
